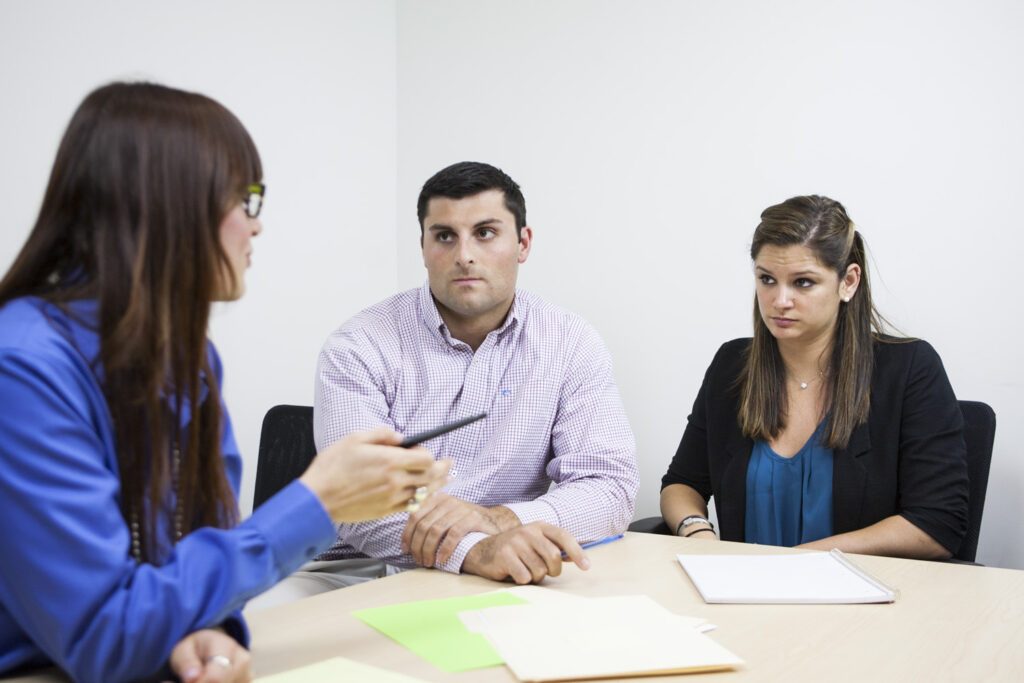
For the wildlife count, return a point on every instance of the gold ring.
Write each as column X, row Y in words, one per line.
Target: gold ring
column 420, row 495
column 220, row 660
column 412, row 506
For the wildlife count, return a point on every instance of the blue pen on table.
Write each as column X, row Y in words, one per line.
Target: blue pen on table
column 594, row 544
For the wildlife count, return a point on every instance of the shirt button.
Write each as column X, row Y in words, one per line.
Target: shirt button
column 452, row 472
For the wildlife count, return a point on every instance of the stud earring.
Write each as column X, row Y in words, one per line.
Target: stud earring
column 846, row 299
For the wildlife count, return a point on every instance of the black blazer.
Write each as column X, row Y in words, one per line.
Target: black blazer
column 908, row 458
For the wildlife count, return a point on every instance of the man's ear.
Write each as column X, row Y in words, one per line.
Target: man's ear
column 525, row 242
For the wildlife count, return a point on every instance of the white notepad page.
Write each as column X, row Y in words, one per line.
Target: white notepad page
column 815, row 577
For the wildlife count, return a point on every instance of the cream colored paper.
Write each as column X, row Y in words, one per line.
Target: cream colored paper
column 599, row 637
column 538, row 595
column 338, row 669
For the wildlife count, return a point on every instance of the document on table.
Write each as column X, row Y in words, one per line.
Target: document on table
column 599, row 638
column 431, row 629
column 538, row 595
column 338, row 669
column 816, row 577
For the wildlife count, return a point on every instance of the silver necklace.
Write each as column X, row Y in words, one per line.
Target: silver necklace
column 803, row 385
column 178, row 514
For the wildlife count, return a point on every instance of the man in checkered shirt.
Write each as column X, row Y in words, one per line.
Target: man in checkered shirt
column 553, row 464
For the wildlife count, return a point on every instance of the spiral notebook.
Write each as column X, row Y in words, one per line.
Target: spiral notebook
column 812, row 578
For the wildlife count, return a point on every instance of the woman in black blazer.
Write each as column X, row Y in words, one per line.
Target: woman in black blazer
column 820, row 431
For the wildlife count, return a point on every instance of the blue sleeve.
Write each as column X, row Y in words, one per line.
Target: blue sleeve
column 228, row 445
column 68, row 585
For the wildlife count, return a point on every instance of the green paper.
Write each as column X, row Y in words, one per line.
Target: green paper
column 432, row 629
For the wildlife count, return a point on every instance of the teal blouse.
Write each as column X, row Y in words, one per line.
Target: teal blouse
column 789, row 500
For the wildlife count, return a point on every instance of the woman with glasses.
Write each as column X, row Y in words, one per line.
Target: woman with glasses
column 122, row 555
column 821, row 432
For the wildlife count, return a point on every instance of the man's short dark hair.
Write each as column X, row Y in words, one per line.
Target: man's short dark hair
column 468, row 178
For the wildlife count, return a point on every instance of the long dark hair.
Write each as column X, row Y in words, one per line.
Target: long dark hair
column 143, row 177
column 823, row 226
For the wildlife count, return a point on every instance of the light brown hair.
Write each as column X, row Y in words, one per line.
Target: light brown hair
column 823, row 226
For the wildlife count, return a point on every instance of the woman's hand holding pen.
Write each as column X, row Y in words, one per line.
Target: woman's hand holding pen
column 366, row 475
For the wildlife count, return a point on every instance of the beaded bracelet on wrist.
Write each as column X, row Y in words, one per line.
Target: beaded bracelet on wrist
column 693, row 519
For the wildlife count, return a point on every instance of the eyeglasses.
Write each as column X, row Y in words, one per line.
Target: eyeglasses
column 252, row 202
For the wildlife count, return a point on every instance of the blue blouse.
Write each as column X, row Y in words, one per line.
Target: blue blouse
column 789, row 500
column 70, row 592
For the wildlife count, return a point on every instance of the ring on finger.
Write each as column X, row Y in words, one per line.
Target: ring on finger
column 420, row 495
column 219, row 660
column 412, row 506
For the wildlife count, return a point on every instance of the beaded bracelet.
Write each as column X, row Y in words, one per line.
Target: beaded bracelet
column 693, row 519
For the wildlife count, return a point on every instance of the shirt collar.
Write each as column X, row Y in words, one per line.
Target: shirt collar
column 435, row 323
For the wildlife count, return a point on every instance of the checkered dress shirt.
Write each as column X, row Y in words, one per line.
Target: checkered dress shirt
column 554, row 415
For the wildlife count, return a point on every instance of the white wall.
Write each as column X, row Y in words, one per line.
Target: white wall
column 647, row 137
column 314, row 82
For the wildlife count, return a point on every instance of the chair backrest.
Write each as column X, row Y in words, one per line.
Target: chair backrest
column 979, row 433
column 286, row 449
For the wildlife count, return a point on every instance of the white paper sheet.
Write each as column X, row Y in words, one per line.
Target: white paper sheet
column 823, row 578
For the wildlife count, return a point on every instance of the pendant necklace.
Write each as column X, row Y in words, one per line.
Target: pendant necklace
column 803, row 385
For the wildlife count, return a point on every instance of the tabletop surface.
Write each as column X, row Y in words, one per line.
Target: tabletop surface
column 951, row 622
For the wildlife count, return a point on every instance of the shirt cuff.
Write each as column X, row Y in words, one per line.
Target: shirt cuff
column 296, row 526
column 534, row 511
column 236, row 627
column 454, row 563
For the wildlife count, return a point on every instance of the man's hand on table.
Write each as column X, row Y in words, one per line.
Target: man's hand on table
column 434, row 531
column 525, row 554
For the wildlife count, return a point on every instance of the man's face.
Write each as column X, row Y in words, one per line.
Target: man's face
column 472, row 255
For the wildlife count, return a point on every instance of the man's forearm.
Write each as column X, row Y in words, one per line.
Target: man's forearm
column 589, row 509
column 503, row 518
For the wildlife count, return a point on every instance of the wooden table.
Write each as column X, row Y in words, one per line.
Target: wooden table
column 951, row 623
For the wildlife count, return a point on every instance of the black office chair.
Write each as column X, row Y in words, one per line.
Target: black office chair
column 286, row 449
column 979, row 434
column 651, row 525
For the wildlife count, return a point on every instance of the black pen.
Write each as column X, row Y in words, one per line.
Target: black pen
column 411, row 441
